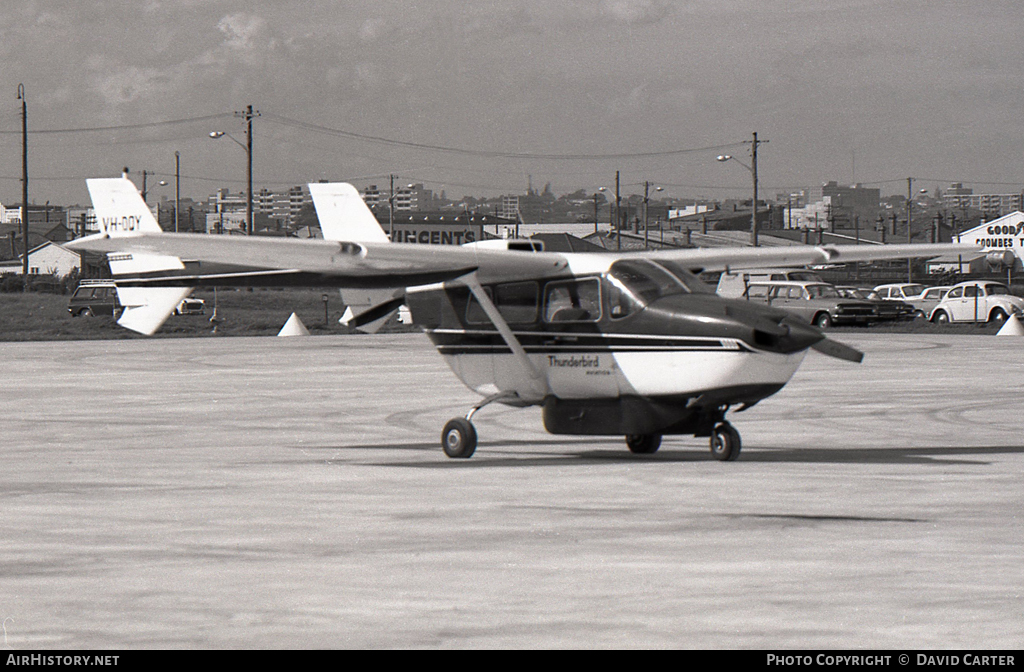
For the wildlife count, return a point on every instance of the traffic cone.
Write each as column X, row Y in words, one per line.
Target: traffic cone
column 293, row 327
column 1012, row 327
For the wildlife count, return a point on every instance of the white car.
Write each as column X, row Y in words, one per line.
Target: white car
column 978, row 301
column 190, row 306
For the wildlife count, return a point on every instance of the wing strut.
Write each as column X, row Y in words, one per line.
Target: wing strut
column 538, row 379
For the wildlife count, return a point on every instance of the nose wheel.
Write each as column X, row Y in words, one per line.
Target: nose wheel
column 725, row 442
column 458, row 440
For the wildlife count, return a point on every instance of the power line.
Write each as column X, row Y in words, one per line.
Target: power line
column 285, row 121
column 123, row 127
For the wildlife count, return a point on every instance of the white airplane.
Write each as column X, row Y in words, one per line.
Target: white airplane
column 631, row 344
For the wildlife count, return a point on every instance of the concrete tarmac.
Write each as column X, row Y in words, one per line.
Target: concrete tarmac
column 291, row 493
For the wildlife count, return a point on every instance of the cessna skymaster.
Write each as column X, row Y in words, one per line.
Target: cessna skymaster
column 631, row 344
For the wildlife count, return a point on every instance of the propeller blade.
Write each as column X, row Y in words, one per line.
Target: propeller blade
column 827, row 346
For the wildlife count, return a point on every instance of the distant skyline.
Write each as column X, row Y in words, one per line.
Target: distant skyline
column 479, row 98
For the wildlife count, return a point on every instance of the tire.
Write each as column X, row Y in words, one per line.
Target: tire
column 458, row 440
column 725, row 442
column 823, row 321
column 643, row 444
column 86, row 312
column 940, row 317
column 998, row 316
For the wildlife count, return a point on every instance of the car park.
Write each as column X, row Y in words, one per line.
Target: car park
column 819, row 303
column 978, row 301
column 887, row 311
column 94, row 297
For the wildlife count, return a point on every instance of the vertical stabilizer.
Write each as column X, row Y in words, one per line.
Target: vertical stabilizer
column 120, row 210
column 343, row 215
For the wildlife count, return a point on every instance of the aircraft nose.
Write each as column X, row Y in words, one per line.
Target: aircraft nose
column 783, row 333
column 800, row 337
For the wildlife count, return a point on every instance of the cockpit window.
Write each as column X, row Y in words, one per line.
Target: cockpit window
column 645, row 281
column 686, row 278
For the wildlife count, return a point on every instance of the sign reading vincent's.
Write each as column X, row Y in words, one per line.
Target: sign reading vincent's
column 443, row 229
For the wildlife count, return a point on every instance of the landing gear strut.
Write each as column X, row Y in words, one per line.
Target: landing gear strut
column 458, row 439
column 725, row 442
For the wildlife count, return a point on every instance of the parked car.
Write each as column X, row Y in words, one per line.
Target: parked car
column 922, row 298
column 978, row 301
column 190, row 306
column 887, row 311
column 94, row 297
column 733, row 285
column 817, row 302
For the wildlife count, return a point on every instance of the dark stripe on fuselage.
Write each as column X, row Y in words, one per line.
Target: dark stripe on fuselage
column 455, row 342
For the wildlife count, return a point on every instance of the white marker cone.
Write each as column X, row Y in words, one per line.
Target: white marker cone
column 293, row 327
column 1012, row 327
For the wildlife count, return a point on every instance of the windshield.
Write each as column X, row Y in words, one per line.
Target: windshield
column 912, row 290
column 994, row 289
column 822, row 292
column 686, row 278
column 644, row 281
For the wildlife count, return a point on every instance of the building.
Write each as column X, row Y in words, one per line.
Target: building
column 48, row 258
column 1002, row 240
column 959, row 197
column 846, row 204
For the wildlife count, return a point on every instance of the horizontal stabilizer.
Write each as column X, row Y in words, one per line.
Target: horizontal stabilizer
column 838, row 350
column 377, row 313
column 147, row 308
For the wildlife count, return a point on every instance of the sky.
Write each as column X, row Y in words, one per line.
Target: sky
column 481, row 98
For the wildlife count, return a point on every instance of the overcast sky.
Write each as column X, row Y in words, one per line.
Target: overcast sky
column 479, row 98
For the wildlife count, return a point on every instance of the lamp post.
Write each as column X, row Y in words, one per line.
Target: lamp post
column 910, row 208
column 249, row 228
column 611, row 214
column 753, row 172
column 647, row 187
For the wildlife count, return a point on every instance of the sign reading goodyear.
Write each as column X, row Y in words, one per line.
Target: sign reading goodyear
column 1003, row 234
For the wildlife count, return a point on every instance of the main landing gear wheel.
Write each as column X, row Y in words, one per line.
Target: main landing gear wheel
column 643, row 444
column 725, row 442
column 458, row 438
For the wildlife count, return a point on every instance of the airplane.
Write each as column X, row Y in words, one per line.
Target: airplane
column 632, row 344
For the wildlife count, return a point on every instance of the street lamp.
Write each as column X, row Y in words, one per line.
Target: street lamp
column 752, row 168
column 603, row 191
column 910, row 205
column 248, row 173
column 647, row 187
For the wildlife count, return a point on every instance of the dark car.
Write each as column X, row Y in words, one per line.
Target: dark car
column 94, row 298
column 886, row 311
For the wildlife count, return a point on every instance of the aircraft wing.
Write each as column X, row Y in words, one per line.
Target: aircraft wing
column 726, row 258
column 372, row 264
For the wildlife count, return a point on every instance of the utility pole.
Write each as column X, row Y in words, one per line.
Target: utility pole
column 24, row 185
column 910, row 207
column 753, row 171
column 618, row 221
column 177, row 187
column 391, row 211
column 248, row 115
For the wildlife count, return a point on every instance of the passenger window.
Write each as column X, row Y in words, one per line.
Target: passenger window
column 573, row 301
column 516, row 302
column 970, row 292
column 759, row 292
